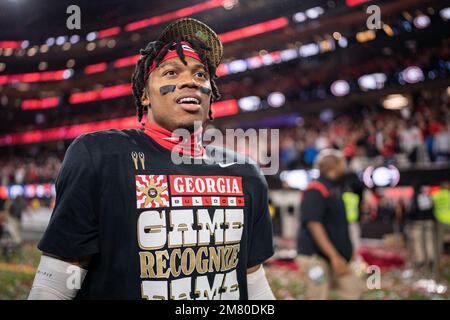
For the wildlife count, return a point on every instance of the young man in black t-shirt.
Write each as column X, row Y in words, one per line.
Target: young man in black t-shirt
column 129, row 223
column 324, row 244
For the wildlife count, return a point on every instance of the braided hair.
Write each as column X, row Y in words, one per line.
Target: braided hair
column 155, row 51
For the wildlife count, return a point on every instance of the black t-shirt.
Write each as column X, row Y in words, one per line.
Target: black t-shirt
column 330, row 211
column 156, row 230
column 421, row 207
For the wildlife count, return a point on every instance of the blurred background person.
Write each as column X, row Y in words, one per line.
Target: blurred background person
column 441, row 200
column 352, row 204
column 324, row 242
column 422, row 230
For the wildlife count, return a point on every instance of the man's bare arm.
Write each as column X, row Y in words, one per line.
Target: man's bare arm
column 321, row 238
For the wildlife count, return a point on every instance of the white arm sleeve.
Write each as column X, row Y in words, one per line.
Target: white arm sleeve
column 56, row 280
column 257, row 286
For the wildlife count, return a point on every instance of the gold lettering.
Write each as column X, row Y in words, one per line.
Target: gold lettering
column 147, row 263
column 173, row 268
column 202, row 264
column 161, row 264
column 214, row 259
column 185, row 268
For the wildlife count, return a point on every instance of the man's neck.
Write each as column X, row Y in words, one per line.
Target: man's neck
column 190, row 145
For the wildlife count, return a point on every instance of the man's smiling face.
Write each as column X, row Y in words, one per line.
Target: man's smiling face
column 170, row 110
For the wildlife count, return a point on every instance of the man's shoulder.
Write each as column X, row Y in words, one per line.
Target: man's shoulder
column 108, row 138
column 105, row 135
column 244, row 164
column 317, row 188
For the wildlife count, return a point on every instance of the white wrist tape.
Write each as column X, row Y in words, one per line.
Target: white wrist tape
column 56, row 280
column 257, row 286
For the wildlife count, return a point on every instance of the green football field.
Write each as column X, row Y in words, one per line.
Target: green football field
column 17, row 273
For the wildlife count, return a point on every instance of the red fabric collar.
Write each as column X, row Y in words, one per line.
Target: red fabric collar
column 173, row 142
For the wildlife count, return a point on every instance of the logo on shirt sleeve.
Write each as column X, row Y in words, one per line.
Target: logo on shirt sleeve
column 151, row 191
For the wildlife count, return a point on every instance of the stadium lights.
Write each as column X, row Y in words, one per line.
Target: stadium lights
column 445, row 13
column 299, row 17
column 67, row 74
column 91, row 36
column 308, row 50
column 229, row 4
column 60, row 40
column 288, row 54
column 326, row 45
column 412, row 74
column 388, row 30
column 172, row 15
column 381, row 176
column 33, row 104
column 108, row 32
column 271, row 58
column 336, row 35
column 395, row 102
column 237, row 66
column 95, row 68
column 352, row 3
column 421, row 21
column 32, row 77
column 340, row 88
column 101, row 94
column 251, row 103
column 312, row 13
column 365, row 36
column 10, row 44
column 224, row 108
column 298, row 179
column 343, row 42
column 74, row 39
column 50, row 41
column 253, row 30
column 127, row 61
column 276, row 99
column 254, row 62
column 25, row 44
column 373, row 81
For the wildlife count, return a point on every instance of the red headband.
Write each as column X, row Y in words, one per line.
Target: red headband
column 171, row 53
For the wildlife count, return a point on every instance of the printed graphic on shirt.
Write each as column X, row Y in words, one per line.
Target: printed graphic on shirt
column 190, row 243
column 151, row 191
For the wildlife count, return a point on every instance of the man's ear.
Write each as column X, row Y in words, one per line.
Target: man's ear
column 145, row 99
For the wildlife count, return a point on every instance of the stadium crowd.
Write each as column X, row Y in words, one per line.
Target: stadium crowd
column 411, row 136
column 405, row 138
